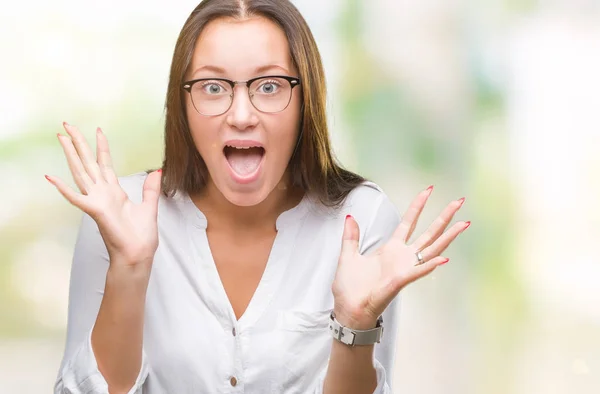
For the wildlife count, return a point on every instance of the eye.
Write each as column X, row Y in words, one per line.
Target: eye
column 268, row 87
column 212, row 87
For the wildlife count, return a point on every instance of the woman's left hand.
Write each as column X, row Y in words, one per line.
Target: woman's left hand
column 365, row 285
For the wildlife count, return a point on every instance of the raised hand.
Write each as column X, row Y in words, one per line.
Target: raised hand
column 129, row 230
column 365, row 285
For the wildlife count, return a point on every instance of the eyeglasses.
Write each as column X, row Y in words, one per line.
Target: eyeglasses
column 214, row 96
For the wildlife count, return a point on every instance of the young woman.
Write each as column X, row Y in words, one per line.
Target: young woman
column 251, row 262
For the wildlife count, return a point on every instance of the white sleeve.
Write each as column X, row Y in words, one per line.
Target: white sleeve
column 381, row 225
column 78, row 373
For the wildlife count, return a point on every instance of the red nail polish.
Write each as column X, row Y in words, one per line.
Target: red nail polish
column 348, row 216
column 430, row 188
column 66, row 124
column 98, row 130
column 444, row 262
column 159, row 170
column 467, row 225
column 461, row 201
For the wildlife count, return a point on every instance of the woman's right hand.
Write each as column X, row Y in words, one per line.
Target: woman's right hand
column 129, row 230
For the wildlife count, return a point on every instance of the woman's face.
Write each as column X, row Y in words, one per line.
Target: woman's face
column 246, row 151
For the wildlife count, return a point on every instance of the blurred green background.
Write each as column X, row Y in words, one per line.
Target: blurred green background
column 493, row 100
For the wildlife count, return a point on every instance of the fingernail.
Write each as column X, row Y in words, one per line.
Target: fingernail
column 47, row 178
column 66, row 124
column 430, row 189
column 98, row 130
column 444, row 262
column 461, row 201
column 159, row 170
column 348, row 216
column 467, row 224
column 58, row 134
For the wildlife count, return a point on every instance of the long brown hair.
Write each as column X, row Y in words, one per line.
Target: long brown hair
column 313, row 166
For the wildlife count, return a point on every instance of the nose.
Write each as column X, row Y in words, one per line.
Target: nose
column 242, row 114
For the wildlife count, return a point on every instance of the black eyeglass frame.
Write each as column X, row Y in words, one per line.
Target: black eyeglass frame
column 293, row 81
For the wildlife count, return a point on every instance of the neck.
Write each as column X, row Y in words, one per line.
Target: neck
column 221, row 214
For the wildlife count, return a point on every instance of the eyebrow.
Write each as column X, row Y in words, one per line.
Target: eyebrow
column 258, row 70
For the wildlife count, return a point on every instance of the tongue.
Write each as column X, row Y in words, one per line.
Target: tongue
column 244, row 161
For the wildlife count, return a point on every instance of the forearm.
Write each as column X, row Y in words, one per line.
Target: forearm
column 117, row 336
column 351, row 369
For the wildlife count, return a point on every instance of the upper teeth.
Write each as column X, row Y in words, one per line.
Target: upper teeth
column 242, row 147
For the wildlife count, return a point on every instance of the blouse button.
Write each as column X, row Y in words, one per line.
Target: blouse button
column 233, row 381
column 233, row 331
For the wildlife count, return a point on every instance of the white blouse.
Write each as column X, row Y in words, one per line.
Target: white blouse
column 193, row 342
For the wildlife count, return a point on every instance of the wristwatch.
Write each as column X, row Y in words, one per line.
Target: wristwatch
column 353, row 337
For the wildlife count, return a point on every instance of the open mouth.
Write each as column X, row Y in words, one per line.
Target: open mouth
column 244, row 161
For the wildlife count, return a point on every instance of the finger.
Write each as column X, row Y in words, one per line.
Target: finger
column 350, row 237
column 425, row 269
column 84, row 152
column 411, row 216
column 68, row 193
column 80, row 176
column 439, row 225
column 151, row 190
column 440, row 245
column 104, row 158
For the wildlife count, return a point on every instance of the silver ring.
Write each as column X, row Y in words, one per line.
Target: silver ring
column 419, row 258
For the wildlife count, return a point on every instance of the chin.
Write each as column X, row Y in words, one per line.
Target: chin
column 244, row 195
